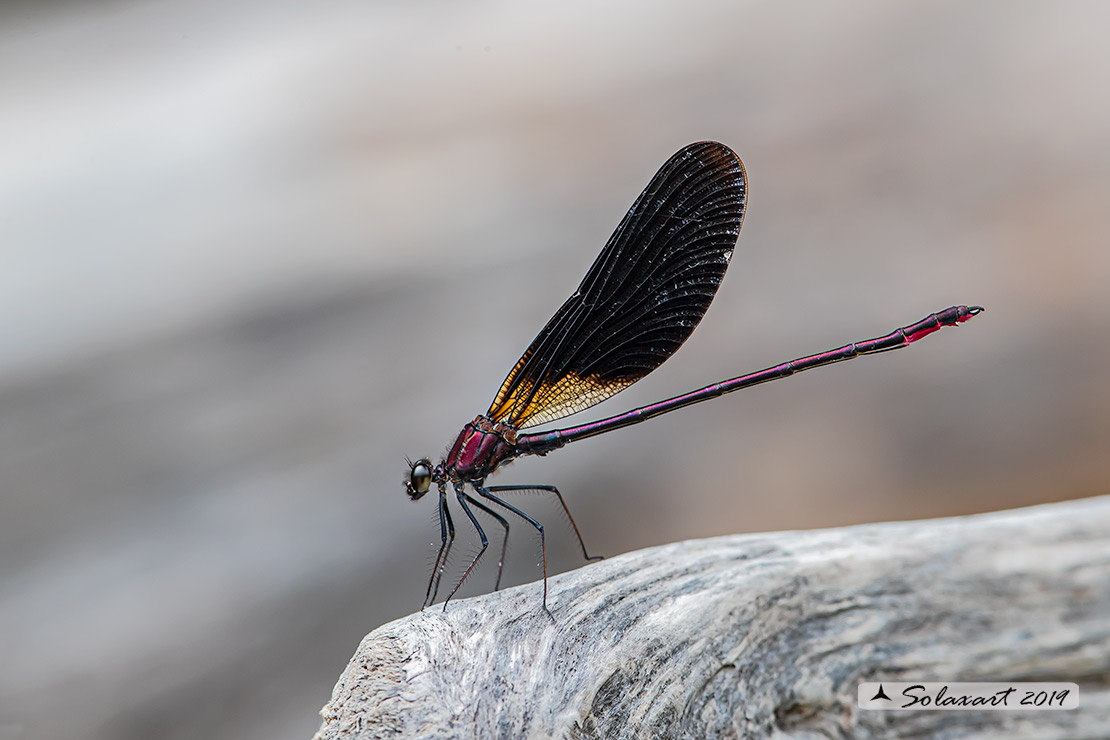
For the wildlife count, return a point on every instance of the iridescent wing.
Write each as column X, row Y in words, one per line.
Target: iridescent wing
column 643, row 296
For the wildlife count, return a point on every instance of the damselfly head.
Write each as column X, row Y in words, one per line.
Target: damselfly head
column 420, row 478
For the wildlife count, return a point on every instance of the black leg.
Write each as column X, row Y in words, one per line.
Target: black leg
column 504, row 542
column 462, row 497
column 447, row 537
column 485, row 492
column 550, row 489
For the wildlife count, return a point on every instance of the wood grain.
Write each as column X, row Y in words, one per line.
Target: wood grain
column 760, row 636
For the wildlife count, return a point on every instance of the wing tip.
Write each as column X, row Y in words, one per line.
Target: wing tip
column 718, row 149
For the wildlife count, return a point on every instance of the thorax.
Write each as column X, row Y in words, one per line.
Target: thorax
column 481, row 446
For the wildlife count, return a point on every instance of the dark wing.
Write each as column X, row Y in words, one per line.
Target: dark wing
column 643, row 296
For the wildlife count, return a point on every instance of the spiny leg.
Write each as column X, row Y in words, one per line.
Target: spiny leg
column 485, row 492
column 504, row 543
column 462, row 497
column 551, row 489
column 447, row 538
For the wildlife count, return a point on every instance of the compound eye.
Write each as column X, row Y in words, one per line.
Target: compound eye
column 421, row 476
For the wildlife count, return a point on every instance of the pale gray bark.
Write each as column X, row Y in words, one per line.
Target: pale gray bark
column 759, row 636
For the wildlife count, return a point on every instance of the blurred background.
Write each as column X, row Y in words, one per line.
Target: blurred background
column 256, row 253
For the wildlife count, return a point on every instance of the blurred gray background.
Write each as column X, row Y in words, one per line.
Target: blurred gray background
column 255, row 253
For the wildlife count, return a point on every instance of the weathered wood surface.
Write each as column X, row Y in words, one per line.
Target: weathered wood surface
column 760, row 636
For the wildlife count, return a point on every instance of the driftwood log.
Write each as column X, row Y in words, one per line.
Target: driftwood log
column 760, row 636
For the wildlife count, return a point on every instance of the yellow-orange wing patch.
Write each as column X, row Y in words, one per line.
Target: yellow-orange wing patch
column 527, row 405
